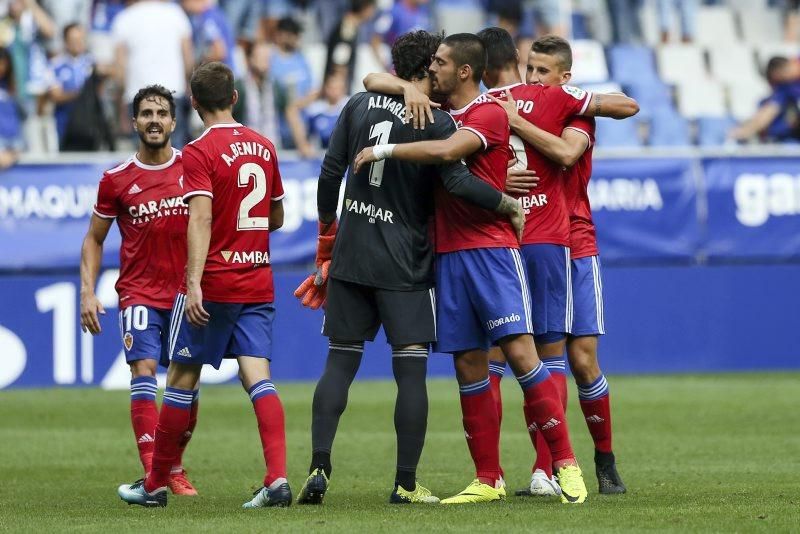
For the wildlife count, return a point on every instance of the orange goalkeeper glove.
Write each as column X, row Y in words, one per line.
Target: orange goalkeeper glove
column 314, row 289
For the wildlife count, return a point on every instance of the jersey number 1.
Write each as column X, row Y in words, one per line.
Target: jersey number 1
column 381, row 131
column 245, row 221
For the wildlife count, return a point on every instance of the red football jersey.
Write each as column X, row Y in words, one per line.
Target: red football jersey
column 582, row 235
column 238, row 168
column 459, row 225
column 549, row 108
column 152, row 218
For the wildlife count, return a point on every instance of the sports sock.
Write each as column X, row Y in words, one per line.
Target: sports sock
column 410, row 367
column 544, row 413
column 496, row 372
column 144, row 416
column 330, row 400
column 271, row 429
column 595, row 402
column 173, row 421
column 482, row 429
column 178, row 467
column 558, row 370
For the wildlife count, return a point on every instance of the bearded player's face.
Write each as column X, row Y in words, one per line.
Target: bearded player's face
column 443, row 71
column 154, row 123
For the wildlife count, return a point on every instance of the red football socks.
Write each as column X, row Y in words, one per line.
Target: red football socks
column 597, row 414
column 144, row 416
column 482, row 430
column 271, row 428
column 173, row 422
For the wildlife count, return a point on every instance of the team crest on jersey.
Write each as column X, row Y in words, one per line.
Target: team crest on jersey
column 575, row 92
column 127, row 340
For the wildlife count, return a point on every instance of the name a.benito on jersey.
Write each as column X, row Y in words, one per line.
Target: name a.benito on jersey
column 246, row 148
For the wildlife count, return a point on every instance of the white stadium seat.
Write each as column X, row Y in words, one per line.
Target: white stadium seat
column 701, row 99
column 602, row 88
column 744, row 98
column 316, row 54
column 680, row 63
column 454, row 18
column 761, row 25
column 588, row 62
column 731, row 63
column 366, row 62
column 715, row 25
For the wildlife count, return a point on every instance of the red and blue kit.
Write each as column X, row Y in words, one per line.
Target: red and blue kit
column 481, row 289
column 146, row 201
column 237, row 168
column 587, row 283
column 545, row 244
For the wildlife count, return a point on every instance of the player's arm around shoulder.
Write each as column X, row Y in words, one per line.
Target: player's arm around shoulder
column 613, row 105
column 458, row 146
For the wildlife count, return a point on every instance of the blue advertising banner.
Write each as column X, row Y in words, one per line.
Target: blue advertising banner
column 645, row 208
column 753, row 207
column 691, row 319
column 45, row 211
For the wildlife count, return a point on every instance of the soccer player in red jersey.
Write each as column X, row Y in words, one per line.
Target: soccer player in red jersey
column 482, row 295
column 144, row 195
column 546, row 247
column 234, row 191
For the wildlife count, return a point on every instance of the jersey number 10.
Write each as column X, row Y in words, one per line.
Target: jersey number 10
column 245, row 221
column 381, row 131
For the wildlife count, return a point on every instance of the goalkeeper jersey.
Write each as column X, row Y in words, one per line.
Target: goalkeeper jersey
column 384, row 231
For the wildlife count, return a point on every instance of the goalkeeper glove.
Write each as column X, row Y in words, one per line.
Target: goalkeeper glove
column 314, row 289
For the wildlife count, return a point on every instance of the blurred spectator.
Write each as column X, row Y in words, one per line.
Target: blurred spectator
column 687, row 10
column 551, row 16
column 777, row 118
column 153, row 46
column 212, row 37
column 272, row 11
column 256, row 95
column 10, row 122
column 70, row 71
column 103, row 14
column 294, row 80
column 791, row 20
column 243, row 16
column 404, row 16
column 343, row 40
column 64, row 13
column 316, row 115
column 23, row 31
column 625, row 26
column 328, row 14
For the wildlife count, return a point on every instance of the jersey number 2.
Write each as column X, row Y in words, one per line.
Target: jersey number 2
column 245, row 221
column 381, row 131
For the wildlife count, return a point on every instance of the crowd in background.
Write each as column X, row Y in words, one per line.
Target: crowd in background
column 69, row 68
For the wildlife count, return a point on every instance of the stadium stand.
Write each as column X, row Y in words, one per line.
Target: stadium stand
column 719, row 74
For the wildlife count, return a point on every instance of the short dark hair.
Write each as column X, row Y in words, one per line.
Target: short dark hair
column 151, row 91
column 212, row 86
column 290, row 25
column 773, row 66
column 357, row 6
column 68, row 28
column 553, row 45
column 500, row 48
column 468, row 49
column 412, row 52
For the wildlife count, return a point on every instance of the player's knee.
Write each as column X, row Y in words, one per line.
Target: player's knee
column 471, row 366
column 583, row 363
column 141, row 368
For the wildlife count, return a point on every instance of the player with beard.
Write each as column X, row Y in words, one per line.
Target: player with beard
column 144, row 196
column 482, row 289
column 385, row 217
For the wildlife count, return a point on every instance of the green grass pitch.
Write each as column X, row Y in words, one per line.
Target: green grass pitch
column 698, row 453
